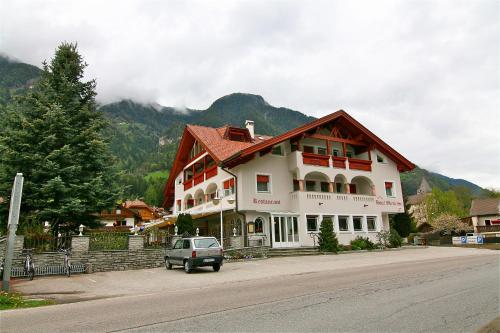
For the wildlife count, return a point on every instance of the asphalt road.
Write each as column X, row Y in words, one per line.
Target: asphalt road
column 437, row 294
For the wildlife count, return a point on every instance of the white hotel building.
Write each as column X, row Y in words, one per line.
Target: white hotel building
column 278, row 189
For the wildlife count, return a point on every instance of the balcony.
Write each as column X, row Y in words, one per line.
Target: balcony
column 316, row 159
column 188, row 184
column 315, row 197
column 357, row 164
column 338, row 162
column 488, row 228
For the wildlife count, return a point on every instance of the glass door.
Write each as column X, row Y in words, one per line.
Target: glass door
column 285, row 231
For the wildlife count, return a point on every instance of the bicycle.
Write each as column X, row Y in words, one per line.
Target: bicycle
column 29, row 266
column 67, row 261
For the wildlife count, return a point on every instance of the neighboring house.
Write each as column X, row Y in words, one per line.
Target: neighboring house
column 119, row 217
column 485, row 215
column 277, row 190
column 145, row 212
column 417, row 206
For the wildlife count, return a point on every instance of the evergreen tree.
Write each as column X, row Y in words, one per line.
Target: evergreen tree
column 53, row 136
column 402, row 224
column 185, row 224
column 327, row 239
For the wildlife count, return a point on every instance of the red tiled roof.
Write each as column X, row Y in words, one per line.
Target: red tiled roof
column 214, row 142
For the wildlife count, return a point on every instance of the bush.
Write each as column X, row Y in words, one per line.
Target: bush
column 327, row 239
column 402, row 224
column 394, row 239
column 360, row 243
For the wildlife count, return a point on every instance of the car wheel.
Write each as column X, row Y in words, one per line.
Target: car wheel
column 216, row 267
column 187, row 266
column 168, row 265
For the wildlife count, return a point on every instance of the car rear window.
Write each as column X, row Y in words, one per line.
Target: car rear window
column 206, row 243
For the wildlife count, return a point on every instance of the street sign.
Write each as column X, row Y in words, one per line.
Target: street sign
column 480, row 239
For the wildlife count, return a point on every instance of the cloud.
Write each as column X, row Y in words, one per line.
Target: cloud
column 423, row 75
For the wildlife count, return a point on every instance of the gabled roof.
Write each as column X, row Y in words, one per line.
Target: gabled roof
column 135, row 204
column 403, row 163
column 485, row 206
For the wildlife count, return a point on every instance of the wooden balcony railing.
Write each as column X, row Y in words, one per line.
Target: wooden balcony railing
column 488, row 228
column 200, row 178
column 338, row 162
column 188, row 184
column 211, row 172
column 363, row 165
column 315, row 159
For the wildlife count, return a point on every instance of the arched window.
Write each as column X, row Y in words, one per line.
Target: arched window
column 259, row 225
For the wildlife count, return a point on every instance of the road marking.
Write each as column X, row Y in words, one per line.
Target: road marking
column 92, row 280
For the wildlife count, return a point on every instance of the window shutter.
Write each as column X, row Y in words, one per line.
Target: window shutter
column 226, row 185
column 231, row 182
column 388, row 185
column 262, row 179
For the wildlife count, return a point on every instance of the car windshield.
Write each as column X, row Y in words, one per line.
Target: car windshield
column 206, row 243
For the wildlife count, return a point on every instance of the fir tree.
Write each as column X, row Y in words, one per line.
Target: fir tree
column 327, row 239
column 53, row 135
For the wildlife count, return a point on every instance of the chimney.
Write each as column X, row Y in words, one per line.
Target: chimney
column 250, row 127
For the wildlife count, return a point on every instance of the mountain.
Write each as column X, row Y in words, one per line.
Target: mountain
column 144, row 137
column 15, row 77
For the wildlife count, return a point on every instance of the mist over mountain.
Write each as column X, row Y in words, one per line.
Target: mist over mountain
column 144, row 137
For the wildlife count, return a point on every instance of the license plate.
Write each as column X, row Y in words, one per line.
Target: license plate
column 209, row 260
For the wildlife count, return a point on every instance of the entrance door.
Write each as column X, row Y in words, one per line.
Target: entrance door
column 285, row 231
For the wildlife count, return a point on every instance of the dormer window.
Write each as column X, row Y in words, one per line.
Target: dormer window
column 237, row 134
column 380, row 159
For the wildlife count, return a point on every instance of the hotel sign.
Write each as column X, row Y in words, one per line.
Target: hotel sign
column 384, row 202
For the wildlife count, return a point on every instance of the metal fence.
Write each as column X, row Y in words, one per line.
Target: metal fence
column 108, row 240
column 155, row 238
column 48, row 270
column 47, row 242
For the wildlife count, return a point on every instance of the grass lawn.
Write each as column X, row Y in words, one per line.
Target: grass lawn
column 157, row 175
column 15, row 301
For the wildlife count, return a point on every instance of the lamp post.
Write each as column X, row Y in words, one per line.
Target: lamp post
column 80, row 228
column 218, row 199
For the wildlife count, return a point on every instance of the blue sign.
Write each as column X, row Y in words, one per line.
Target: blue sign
column 463, row 239
column 480, row 239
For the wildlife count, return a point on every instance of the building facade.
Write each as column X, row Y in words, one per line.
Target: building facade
column 485, row 215
column 277, row 190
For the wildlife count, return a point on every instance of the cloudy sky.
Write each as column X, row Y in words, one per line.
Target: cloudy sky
column 423, row 75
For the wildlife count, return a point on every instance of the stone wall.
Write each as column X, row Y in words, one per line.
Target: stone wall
column 136, row 257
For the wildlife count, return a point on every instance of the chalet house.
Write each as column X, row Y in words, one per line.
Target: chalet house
column 275, row 191
column 485, row 215
column 145, row 212
column 130, row 214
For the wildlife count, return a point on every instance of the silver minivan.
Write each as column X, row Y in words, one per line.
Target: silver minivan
column 192, row 252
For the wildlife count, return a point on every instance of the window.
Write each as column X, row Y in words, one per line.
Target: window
column 344, row 223
column 206, row 243
column 487, row 222
column 336, row 153
column 352, row 188
column 389, row 189
column 358, row 225
column 371, row 223
column 179, row 181
column 259, row 225
column 178, row 244
column 380, row 159
column 321, row 151
column 229, row 186
column 294, row 146
column 179, row 205
column 310, row 185
column 296, row 186
column 308, row 149
column 186, row 244
column 312, row 222
column 263, row 185
column 339, row 187
column 349, row 154
column 325, row 187
column 277, row 151
column 198, row 168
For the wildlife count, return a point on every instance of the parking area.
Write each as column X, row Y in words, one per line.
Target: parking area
column 150, row 281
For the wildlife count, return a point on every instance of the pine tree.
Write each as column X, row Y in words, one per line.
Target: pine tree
column 327, row 239
column 53, row 135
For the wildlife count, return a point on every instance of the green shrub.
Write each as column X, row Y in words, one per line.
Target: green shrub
column 360, row 243
column 402, row 224
column 394, row 239
column 185, row 225
column 327, row 239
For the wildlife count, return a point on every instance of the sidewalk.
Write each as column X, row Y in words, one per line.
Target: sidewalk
column 149, row 281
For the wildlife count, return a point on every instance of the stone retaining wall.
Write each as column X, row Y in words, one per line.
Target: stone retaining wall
column 136, row 257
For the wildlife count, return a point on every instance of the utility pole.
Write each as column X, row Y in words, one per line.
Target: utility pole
column 15, row 206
